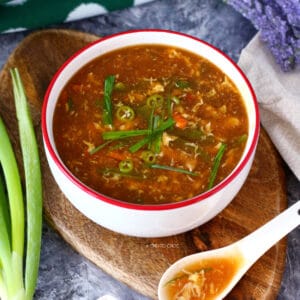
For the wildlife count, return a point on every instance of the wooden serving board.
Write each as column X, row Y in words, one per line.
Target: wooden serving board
column 140, row 262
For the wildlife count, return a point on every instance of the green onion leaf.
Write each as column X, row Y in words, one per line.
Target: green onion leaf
column 169, row 168
column 107, row 109
column 11, row 254
column 182, row 84
column 150, row 126
column 121, row 134
column 164, row 125
column 4, row 212
column 216, row 165
column 137, row 146
column 98, row 148
column 33, row 185
column 240, row 140
column 156, row 143
column 152, row 135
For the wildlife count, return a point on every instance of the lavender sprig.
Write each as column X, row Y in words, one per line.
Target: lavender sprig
column 279, row 24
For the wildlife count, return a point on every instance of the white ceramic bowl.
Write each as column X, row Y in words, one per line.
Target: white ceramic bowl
column 149, row 220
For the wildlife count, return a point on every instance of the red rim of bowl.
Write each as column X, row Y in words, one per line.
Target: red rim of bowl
column 148, row 207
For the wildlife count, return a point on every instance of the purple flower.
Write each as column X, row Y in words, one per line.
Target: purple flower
column 279, row 24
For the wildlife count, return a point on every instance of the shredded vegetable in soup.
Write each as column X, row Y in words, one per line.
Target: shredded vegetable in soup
column 204, row 280
column 150, row 124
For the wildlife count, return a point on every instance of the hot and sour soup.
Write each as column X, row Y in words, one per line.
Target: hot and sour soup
column 150, row 124
column 205, row 279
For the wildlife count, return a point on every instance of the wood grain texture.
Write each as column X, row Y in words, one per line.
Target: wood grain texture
column 140, row 262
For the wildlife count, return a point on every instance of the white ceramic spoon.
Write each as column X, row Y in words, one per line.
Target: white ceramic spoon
column 249, row 248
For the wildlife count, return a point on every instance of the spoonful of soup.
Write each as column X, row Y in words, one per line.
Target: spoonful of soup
column 211, row 275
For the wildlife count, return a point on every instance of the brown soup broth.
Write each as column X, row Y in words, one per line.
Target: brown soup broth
column 204, row 105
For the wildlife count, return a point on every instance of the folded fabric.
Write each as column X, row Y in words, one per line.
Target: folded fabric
column 278, row 95
column 16, row 15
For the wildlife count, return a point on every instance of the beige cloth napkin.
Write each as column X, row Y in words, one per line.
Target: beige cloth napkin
column 278, row 94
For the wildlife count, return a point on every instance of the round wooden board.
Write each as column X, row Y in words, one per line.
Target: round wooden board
column 140, row 262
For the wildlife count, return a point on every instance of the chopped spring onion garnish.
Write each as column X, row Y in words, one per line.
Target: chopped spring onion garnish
column 137, row 146
column 107, row 109
column 241, row 139
column 168, row 168
column 182, row 84
column 151, row 124
column 156, row 141
column 98, row 148
column 121, row 134
column 163, row 125
column 152, row 134
column 216, row 165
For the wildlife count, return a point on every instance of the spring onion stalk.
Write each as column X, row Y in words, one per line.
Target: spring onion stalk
column 11, row 253
column 216, row 165
column 4, row 213
column 5, row 246
column 33, row 185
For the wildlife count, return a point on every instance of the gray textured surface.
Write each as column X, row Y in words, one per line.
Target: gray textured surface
column 64, row 274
